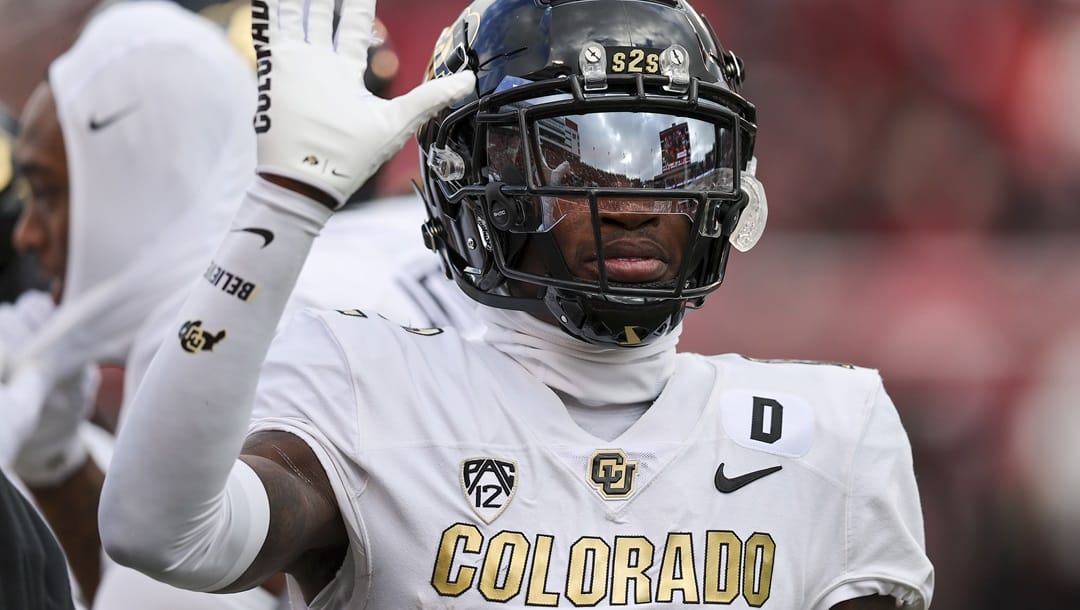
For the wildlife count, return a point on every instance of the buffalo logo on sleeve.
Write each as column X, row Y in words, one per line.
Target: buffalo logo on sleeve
column 612, row 473
column 489, row 485
column 194, row 339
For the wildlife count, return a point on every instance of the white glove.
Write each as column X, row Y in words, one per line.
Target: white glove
column 21, row 400
column 316, row 123
column 54, row 449
column 19, row 321
column 41, row 430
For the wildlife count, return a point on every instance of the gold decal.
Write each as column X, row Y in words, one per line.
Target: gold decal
column 588, row 560
column 612, row 473
column 677, row 570
column 723, row 555
column 442, row 578
column 541, row 563
column 633, row 555
column 518, row 548
column 758, row 568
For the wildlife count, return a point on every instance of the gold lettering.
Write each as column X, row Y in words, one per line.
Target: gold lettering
column 633, row 555
column 723, row 556
column 541, row 562
column 636, row 55
column 442, row 579
column 595, row 568
column 587, row 555
column 652, row 63
column 757, row 577
column 618, row 62
column 518, row 548
column 677, row 570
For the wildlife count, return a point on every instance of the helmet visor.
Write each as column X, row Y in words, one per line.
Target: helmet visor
column 625, row 161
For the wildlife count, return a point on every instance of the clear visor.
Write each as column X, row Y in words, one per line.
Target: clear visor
column 569, row 157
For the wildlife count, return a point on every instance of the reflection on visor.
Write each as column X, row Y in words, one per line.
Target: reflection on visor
column 540, row 213
column 557, row 209
column 616, row 150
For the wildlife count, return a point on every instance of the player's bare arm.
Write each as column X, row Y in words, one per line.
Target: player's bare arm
column 76, row 495
column 306, row 531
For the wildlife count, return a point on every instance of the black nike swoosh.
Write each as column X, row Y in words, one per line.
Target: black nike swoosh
column 99, row 124
column 266, row 234
column 726, row 485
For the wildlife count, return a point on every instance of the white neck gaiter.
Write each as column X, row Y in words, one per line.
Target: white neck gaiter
column 591, row 375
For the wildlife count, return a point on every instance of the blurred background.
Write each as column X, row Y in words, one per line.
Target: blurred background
column 922, row 160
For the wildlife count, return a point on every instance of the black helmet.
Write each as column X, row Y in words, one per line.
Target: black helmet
column 587, row 104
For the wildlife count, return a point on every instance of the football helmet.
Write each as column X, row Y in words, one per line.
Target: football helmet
column 585, row 108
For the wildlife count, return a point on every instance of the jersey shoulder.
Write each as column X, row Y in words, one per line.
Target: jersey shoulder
column 836, row 380
column 797, row 409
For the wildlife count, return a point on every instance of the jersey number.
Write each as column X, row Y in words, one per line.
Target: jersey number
column 635, row 60
column 768, row 420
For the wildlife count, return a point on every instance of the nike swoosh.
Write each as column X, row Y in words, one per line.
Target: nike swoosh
column 266, row 234
column 339, row 174
column 726, row 485
column 99, row 124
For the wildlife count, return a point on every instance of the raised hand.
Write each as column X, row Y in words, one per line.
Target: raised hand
column 316, row 122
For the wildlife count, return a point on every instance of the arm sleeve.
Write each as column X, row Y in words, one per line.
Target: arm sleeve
column 884, row 547
column 177, row 504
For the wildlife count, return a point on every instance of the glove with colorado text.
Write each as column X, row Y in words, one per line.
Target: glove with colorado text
column 316, row 123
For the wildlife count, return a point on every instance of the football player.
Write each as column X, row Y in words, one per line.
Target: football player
column 587, row 165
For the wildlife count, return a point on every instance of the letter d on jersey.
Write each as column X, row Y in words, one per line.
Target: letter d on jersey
column 489, row 485
column 769, row 421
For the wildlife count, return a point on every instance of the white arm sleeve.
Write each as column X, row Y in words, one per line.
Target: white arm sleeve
column 177, row 504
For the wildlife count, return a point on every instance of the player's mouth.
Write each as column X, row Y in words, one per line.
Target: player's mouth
column 632, row 262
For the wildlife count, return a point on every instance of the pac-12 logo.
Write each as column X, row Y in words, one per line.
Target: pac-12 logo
column 612, row 473
column 489, row 485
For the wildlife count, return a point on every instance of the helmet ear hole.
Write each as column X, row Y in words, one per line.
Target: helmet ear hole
column 507, row 213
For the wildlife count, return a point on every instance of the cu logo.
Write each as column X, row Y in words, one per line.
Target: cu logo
column 612, row 473
column 194, row 339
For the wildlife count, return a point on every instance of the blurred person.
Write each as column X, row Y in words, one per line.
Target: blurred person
column 33, row 571
column 24, row 309
column 134, row 151
column 17, row 273
column 564, row 453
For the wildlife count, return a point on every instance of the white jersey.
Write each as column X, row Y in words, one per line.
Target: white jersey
column 463, row 481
